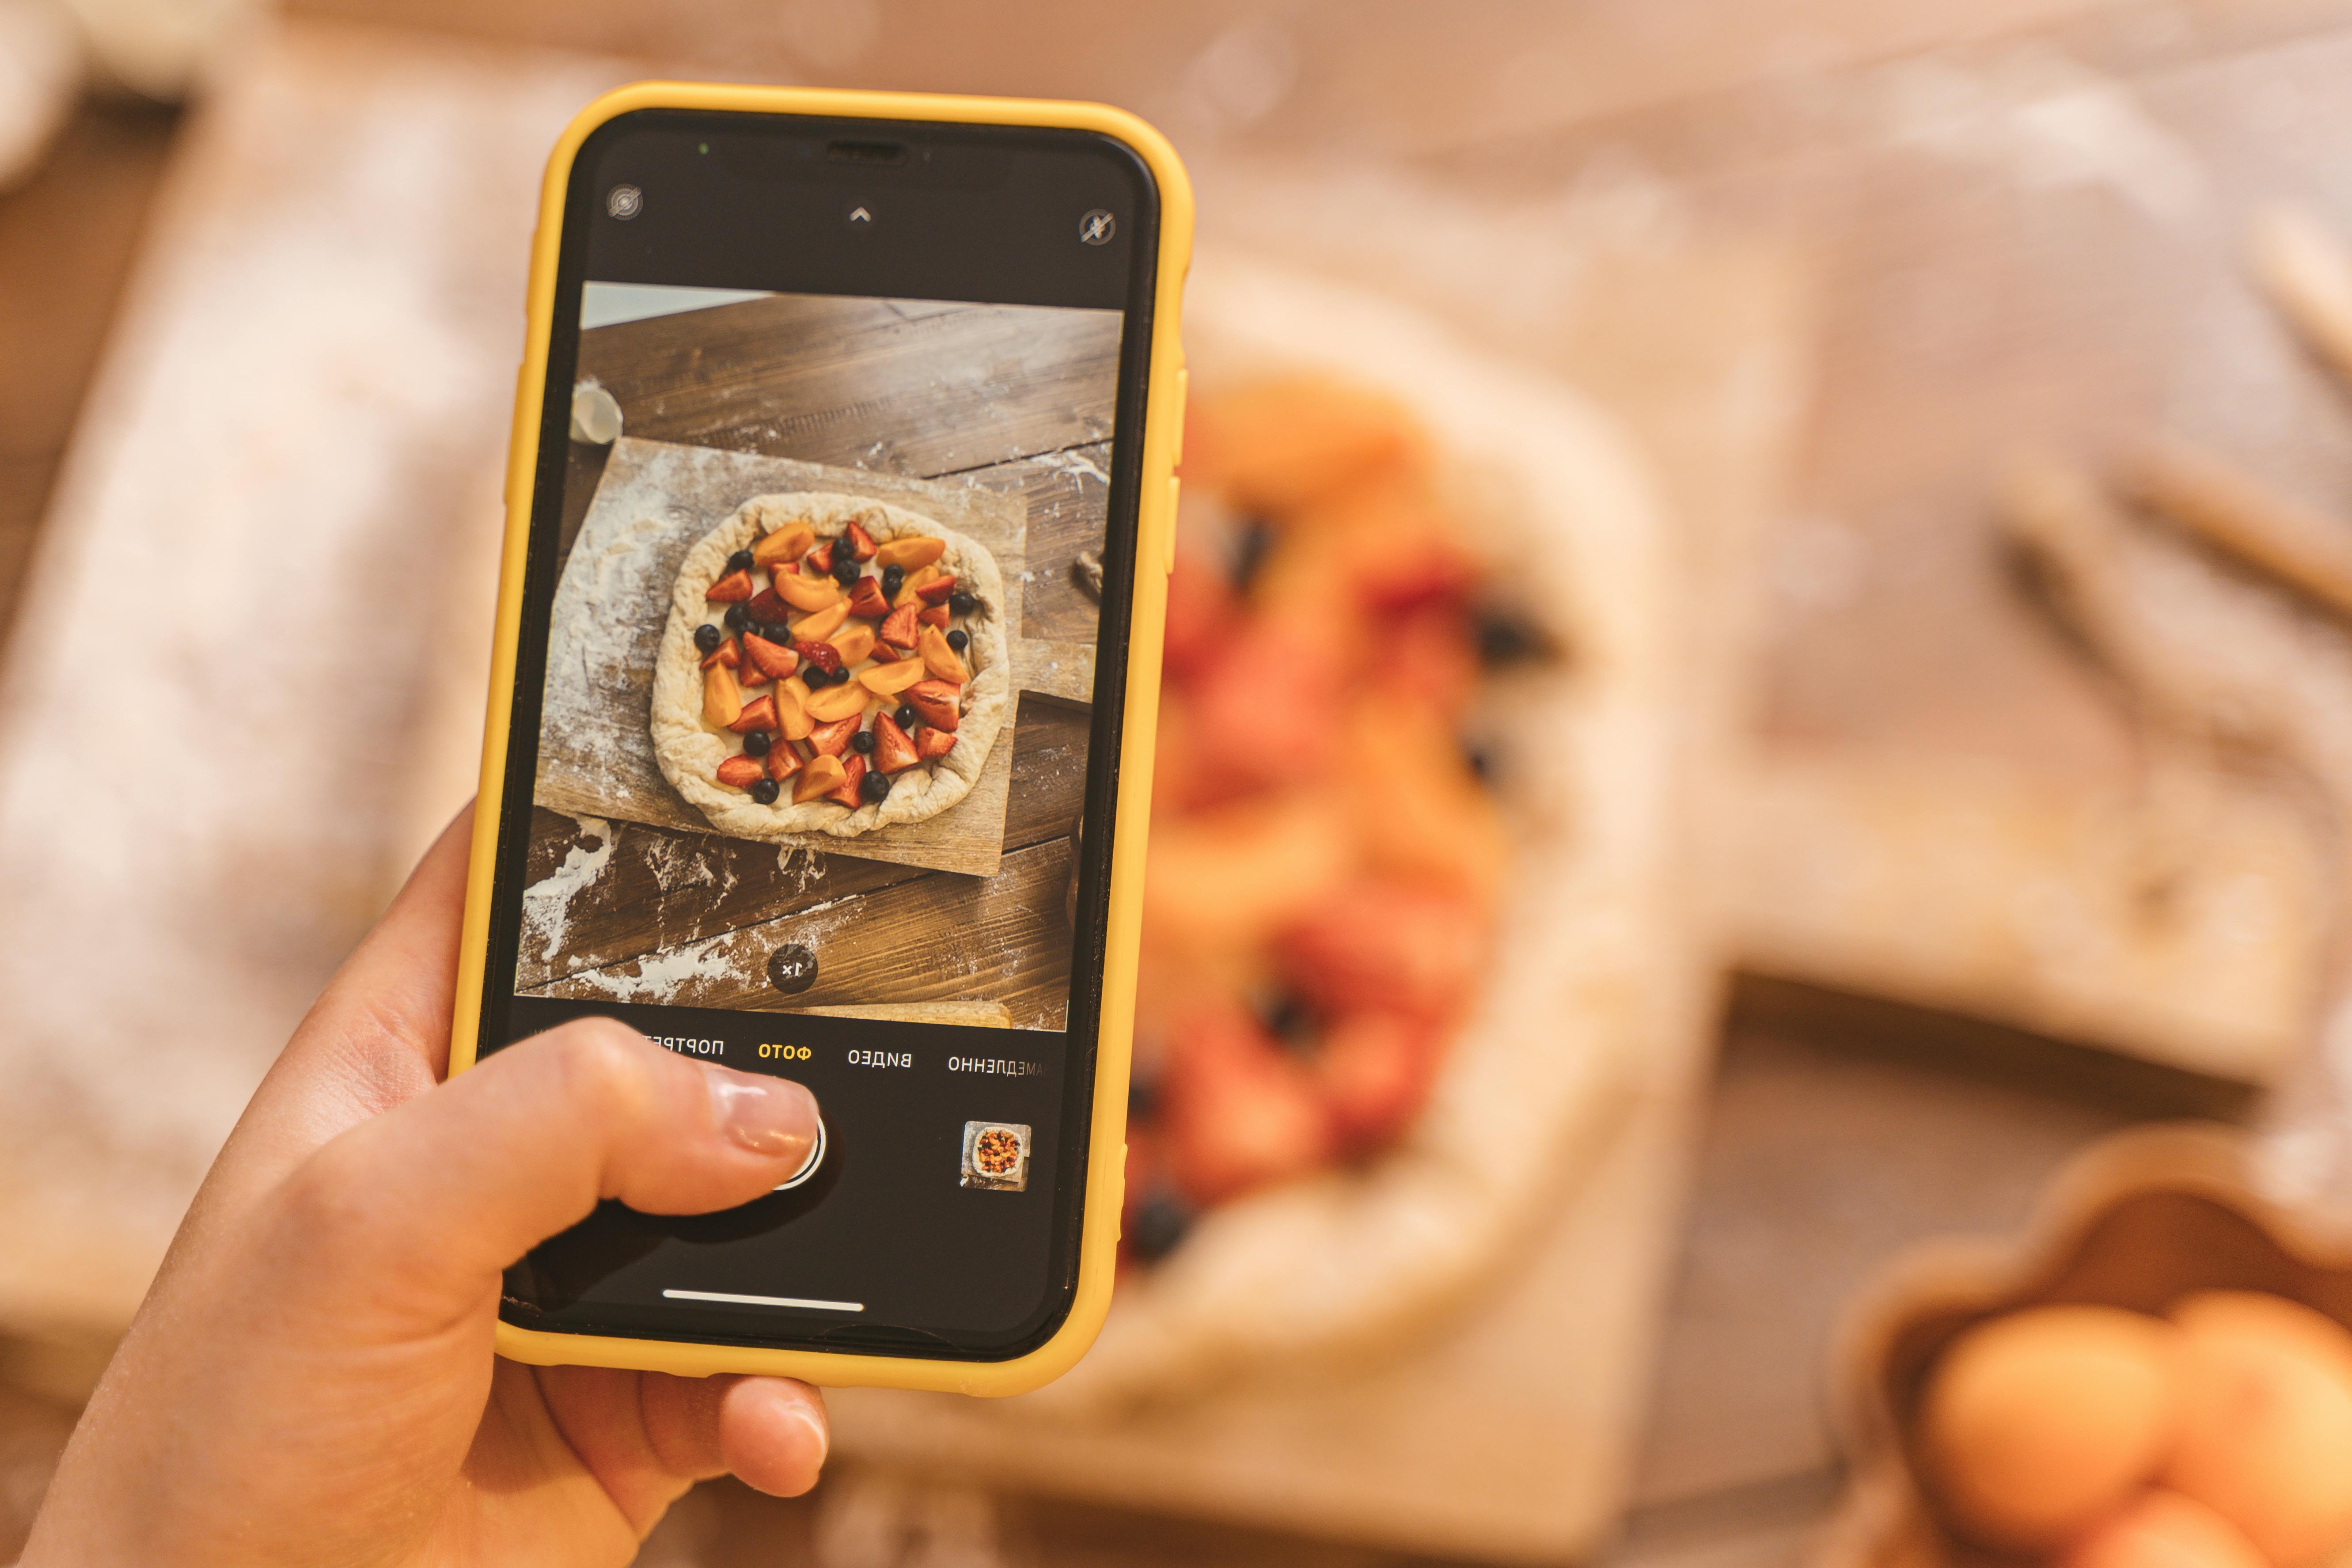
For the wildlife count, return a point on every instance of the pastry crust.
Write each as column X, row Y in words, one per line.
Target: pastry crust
column 689, row 749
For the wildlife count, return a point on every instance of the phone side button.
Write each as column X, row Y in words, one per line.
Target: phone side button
column 1174, row 485
column 1184, row 401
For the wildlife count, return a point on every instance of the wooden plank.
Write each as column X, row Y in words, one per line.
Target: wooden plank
column 642, row 889
column 1002, row 938
column 1067, row 494
column 996, row 382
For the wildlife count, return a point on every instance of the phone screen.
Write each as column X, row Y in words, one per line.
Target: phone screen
column 816, row 733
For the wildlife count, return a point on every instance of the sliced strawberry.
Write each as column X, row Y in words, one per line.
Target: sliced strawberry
column 936, row 591
column 771, row 659
column 937, row 616
column 1375, row 1071
column 784, row 760
column 724, row 654
column 818, row 562
column 932, row 744
column 1239, row 1112
column 936, row 701
column 897, row 628
column 892, row 750
column 860, row 543
column 731, row 589
column 853, row 774
column 817, row 779
column 751, row 676
column 767, row 608
column 824, row 656
column 831, row 740
column 757, row 714
column 1387, row 942
column 866, row 599
column 1200, row 616
column 740, row 771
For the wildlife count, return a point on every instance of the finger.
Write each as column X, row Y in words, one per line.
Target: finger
column 419, row 1209
column 774, row 1435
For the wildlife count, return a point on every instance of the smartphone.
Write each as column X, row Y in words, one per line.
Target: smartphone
column 839, row 515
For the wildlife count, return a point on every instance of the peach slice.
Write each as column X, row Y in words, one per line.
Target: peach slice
column 939, row 658
column 785, row 546
column 821, row 777
column 844, row 701
column 889, row 680
column 740, row 771
column 805, row 592
column 855, row 643
column 909, row 553
column 791, row 709
column 722, row 700
column 822, row 625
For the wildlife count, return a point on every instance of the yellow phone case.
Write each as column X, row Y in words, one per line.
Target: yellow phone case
column 1163, row 427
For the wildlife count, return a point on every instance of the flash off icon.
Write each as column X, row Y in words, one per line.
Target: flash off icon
column 1097, row 226
column 624, row 202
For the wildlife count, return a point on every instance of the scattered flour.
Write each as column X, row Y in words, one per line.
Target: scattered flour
column 547, row 906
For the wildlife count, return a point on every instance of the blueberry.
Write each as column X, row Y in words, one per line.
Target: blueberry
column 893, row 579
column 816, row 675
column 962, row 604
column 756, row 744
column 959, row 640
column 862, row 742
column 1160, row 1222
column 907, row 716
column 1289, row 1020
column 792, row 968
column 737, row 618
column 846, row 570
column 1479, row 761
column 739, row 561
column 874, row 786
column 766, row 791
column 706, row 637
column 1249, row 553
column 1504, row 638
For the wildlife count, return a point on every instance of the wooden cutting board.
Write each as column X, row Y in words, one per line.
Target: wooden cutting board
column 654, row 501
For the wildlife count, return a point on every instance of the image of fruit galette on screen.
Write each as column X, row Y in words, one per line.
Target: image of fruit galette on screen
column 833, row 664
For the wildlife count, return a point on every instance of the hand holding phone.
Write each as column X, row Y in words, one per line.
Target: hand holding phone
column 839, row 519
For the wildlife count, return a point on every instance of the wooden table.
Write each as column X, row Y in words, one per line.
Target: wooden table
column 1016, row 402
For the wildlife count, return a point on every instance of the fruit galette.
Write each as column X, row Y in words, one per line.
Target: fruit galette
column 833, row 664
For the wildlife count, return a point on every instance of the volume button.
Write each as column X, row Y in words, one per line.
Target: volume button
column 1184, row 401
column 1174, row 485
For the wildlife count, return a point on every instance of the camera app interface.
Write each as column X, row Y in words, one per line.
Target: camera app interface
column 821, row 650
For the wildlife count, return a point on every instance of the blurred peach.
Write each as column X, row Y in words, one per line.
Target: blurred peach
column 2165, row 1529
column 2266, row 1428
column 2038, row 1424
column 1273, row 445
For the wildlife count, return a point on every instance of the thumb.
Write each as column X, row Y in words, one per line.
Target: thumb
column 416, row 1212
